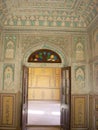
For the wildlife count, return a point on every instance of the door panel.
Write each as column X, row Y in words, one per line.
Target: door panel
column 25, row 97
column 65, row 98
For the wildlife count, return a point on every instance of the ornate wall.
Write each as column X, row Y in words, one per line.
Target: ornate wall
column 93, row 65
column 68, row 27
column 16, row 46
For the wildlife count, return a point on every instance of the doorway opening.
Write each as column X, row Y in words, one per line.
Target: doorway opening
column 46, row 91
column 46, row 97
column 44, row 86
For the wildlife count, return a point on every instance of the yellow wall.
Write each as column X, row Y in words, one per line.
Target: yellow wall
column 44, row 84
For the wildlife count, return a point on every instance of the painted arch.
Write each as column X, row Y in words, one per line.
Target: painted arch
column 55, row 49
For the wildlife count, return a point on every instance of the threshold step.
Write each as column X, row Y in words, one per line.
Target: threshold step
column 42, row 127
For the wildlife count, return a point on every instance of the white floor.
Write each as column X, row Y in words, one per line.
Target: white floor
column 43, row 113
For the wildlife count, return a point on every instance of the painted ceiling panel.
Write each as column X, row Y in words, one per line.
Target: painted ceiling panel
column 48, row 13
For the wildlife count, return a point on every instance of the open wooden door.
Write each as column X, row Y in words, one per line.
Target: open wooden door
column 65, row 98
column 24, row 97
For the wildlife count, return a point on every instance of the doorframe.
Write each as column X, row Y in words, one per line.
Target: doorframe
column 67, row 112
column 65, row 60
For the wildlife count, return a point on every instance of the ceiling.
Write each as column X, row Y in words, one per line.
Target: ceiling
column 48, row 13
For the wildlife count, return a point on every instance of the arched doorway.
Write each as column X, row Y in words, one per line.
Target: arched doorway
column 40, row 96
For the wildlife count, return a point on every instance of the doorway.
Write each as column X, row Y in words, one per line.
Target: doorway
column 46, row 97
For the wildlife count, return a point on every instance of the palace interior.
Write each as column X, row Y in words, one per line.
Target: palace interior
column 49, row 64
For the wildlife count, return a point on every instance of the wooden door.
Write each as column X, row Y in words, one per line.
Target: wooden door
column 65, row 98
column 24, row 97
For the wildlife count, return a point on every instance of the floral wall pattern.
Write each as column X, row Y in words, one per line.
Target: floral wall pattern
column 8, row 74
column 10, row 46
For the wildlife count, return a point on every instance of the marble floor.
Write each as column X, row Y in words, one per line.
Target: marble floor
column 43, row 113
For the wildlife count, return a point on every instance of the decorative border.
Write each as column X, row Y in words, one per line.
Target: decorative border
column 7, row 110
